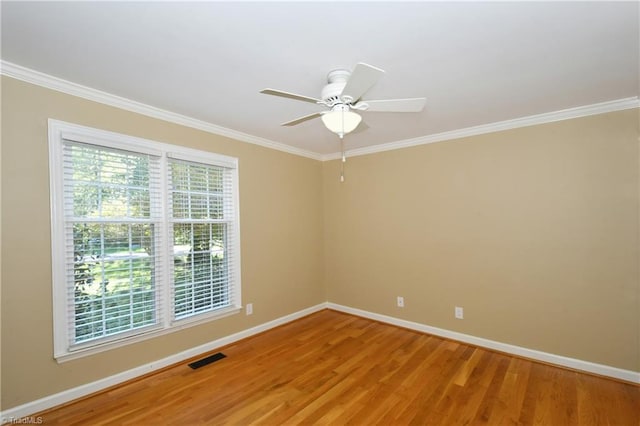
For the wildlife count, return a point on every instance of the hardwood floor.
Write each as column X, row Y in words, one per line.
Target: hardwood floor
column 333, row 368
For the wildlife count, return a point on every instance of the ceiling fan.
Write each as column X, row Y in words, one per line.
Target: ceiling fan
column 343, row 95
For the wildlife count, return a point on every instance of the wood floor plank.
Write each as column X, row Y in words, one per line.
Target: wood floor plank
column 483, row 412
column 331, row 368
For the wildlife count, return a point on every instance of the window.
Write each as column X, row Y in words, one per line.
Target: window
column 111, row 212
column 199, row 230
column 145, row 238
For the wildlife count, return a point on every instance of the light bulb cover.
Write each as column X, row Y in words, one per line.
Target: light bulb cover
column 340, row 120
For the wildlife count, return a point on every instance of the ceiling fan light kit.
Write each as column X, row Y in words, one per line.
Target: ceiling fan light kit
column 340, row 120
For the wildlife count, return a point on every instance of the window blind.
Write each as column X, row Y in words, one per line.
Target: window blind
column 112, row 212
column 202, row 215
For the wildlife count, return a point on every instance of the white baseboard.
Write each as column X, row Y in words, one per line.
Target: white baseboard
column 45, row 403
column 50, row 401
column 590, row 367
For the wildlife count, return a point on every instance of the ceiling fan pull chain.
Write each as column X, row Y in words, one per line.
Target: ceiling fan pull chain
column 344, row 160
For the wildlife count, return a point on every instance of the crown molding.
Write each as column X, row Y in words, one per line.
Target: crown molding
column 549, row 117
column 54, row 83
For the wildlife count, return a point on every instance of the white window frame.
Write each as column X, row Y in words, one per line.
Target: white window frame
column 59, row 131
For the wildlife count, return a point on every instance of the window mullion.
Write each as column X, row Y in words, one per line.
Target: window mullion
column 164, row 293
column 103, row 279
column 193, row 246
column 210, row 260
column 131, row 307
column 193, row 267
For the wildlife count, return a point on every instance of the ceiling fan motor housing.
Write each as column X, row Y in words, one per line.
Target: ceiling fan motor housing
column 337, row 81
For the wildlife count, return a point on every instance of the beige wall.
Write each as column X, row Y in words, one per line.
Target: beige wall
column 281, row 231
column 533, row 231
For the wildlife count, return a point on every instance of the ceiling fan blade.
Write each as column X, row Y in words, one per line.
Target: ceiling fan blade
column 289, row 95
column 392, row 105
column 362, row 78
column 302, row 119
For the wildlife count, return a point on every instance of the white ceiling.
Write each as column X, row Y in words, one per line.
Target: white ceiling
column 475, row 62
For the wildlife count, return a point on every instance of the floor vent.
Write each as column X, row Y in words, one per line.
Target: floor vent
column 208, row 360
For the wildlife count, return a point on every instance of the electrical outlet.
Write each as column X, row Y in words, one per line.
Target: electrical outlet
column 459, row 312
column 249, row 308
column 400, row 302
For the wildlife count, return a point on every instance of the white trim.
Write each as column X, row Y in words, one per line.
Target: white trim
column 58, row 235
column 155, row 331
column 89, row 388
column 532, row 120
column 577, row 364
column 196, row 157
column 78, row 133
column 54, row 83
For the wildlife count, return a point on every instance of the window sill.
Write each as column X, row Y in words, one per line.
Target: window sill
column 176, row 326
